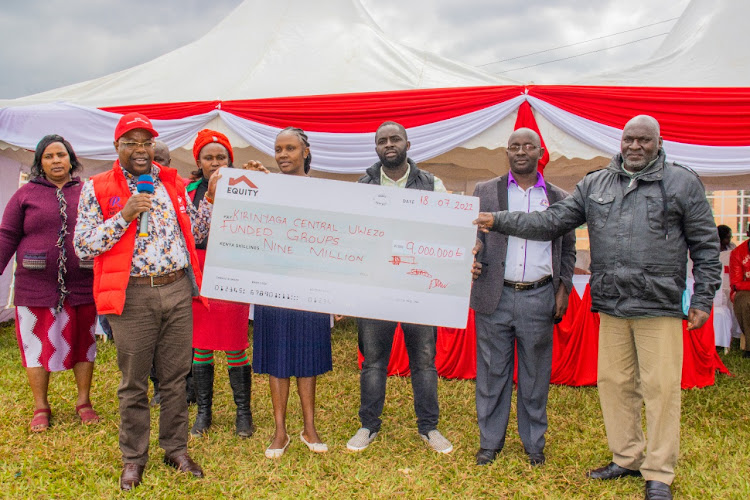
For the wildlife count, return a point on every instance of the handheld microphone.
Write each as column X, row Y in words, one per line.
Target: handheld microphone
column 145, row 184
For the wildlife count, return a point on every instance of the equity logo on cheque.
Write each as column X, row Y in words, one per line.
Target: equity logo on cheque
column 243, row 186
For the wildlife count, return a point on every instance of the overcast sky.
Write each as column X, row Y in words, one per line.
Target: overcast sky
column 51, row 43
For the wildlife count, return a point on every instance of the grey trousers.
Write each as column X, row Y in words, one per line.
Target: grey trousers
column 523, row 319
column 156, row 327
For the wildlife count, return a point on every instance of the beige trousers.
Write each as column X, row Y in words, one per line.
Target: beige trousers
column 640, row 361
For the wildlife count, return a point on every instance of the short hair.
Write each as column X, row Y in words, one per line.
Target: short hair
column 302, row 136
column 395, row 124
column 36, row 167
column 724, row 231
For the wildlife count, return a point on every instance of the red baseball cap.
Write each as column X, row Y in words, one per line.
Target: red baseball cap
column 132, row 121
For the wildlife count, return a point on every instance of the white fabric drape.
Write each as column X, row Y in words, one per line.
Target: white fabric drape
column 352, row 153
column 90, row 130
column 705, row 160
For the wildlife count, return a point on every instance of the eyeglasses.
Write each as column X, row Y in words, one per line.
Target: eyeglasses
column 134, row 145
column 515, row 148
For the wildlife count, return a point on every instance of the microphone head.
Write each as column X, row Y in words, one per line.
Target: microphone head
column 145, row 184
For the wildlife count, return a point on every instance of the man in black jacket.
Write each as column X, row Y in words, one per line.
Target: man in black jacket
column 376, row 336
column 644, row 214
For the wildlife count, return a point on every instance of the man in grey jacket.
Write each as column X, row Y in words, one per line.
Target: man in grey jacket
column 521, row 287
column 643, row 214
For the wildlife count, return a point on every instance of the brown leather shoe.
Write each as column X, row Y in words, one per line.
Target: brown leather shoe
column 184, row 463
column 131, row 476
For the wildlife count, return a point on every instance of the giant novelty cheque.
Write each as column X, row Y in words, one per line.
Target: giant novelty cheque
column 341, row 247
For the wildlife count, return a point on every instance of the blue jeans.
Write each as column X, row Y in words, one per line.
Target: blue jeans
column 375, row 341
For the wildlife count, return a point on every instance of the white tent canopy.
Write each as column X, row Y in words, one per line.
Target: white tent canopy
column 276, row 49
column 705, row 48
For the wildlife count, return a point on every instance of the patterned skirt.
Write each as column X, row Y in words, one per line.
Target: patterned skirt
column 56, row 341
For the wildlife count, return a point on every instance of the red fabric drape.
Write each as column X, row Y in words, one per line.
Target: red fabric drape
column 704, row 116
column 346, row 113
column 353, row 113
column 574, row 350
column 168, row 111
column 575, row 344
column 526, row 119
column 456, row 351
column 718, row 116
column 700, row 359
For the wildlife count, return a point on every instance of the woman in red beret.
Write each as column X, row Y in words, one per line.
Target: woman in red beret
column 224, row 326
column 287, row 342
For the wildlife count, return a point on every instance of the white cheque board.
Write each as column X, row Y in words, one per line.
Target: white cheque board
column 341, row 247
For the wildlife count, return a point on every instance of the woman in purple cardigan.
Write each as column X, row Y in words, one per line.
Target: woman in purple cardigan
column 55, row 310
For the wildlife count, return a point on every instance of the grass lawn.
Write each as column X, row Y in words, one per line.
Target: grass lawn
column 73, row 461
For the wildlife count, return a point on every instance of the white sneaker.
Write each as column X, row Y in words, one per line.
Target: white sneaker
column 437, row 441
column 361, row 440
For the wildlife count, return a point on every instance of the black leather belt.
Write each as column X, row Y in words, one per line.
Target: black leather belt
column 164, row 279
column 521, row 286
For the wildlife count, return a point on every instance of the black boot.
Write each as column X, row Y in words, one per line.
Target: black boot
column 156, row 399
column 240, row 379
column 203, row 381
column 190, row 389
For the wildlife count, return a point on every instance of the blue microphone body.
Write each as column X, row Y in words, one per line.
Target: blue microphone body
column 145, row 184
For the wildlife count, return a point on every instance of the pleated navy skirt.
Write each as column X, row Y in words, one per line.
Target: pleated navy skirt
column 291, row 343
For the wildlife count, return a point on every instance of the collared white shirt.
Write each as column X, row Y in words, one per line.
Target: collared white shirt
column 527, row 260
column 401, row 183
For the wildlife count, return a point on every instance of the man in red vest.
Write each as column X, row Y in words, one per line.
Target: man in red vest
column 739, row 283
column 144, row 285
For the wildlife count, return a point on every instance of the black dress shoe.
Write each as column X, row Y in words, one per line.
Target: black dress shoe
column 656, row 490
column 612, row 471
column 486, row 456
column 131, row 476
column 536, row 459
column 184, row 463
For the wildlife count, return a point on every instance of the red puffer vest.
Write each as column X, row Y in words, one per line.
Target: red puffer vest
column 739, row 269
column 112, row 268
